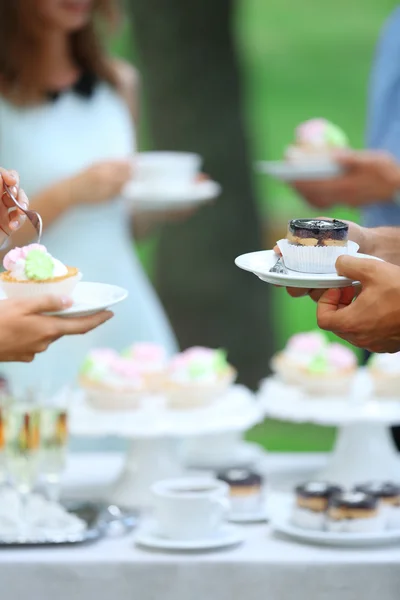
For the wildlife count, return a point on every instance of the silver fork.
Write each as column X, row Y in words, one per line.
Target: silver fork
column 32, row 215
column 279, row 267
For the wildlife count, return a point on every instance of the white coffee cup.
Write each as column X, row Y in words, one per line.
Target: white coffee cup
column 190, row 508
column 166, row 170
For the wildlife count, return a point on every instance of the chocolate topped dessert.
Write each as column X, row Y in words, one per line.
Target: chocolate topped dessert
column 317, row 232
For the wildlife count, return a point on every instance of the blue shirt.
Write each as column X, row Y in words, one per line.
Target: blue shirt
column 383, row 130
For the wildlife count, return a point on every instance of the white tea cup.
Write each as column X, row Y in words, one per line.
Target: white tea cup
column 190, row 508
column 166, row 170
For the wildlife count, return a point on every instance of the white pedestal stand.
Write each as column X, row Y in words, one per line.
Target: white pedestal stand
column 154, row 435
column 363, row 449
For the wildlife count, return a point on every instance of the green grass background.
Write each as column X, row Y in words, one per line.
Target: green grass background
column 299, row 59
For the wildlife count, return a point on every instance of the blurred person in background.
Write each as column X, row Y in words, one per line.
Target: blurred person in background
column 67, row 123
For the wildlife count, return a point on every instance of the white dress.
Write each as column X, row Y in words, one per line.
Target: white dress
column 52, row 142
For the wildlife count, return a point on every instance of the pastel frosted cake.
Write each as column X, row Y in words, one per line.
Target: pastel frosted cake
column 314, row 245
column 316, row 140
column 384, row 370
column 111, row 381
column 33, row 271
column 317, row 365
column 197, row 376
column 151, row 362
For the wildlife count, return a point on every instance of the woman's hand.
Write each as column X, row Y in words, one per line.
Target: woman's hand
column 101, row 182
column 26, row 331
column 10, row 220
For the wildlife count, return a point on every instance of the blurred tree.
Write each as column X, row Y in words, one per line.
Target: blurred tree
column 192, row 88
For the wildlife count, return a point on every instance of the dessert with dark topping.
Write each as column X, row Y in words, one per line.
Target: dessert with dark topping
column 317, row 232
column 388, row 494
column 354, row 512
column 312, row 500
column 245, row 489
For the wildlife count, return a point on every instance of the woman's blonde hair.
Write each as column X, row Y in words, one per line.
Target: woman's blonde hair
column 20, row 30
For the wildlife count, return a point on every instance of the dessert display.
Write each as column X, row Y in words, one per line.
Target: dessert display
column 245, row 490
column 314, row 245
column 384, row 370
column 317, row 365
column 316, row 140
column 111, row 382
column 32, row 271
column 150, row 361
column 354, row 512
column 388, row 495
column 311, row 504
column 197, row 376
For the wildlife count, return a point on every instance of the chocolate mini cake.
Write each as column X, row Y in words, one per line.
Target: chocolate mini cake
column 388, row 494
column 354, row 512
column 317, row 232
column 312, row 500
column 246, row 489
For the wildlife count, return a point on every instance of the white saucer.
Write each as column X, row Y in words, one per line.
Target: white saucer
column 259, row 516
column 228, row 535
column 261, row 262
column 143, row 197
column 90, row 298
column 326, row 538
column 290, row 171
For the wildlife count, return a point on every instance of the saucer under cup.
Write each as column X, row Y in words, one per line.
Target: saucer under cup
column 174, row 171
column 190, row 508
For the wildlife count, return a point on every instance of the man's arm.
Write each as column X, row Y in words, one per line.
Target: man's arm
column 383, row 242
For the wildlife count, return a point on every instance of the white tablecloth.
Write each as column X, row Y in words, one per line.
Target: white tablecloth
column 264, row 567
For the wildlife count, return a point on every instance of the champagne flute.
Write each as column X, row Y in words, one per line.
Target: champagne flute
column 54, row 442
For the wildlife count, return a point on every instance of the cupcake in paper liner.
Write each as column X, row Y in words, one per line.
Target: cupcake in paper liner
column 316, row 365
column 197, row 377
column 150, row 361
column 110, row 381
column 384, row 370
column 32, row 271
column 314, row 245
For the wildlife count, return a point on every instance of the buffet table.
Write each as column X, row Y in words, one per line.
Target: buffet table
column 265, row 566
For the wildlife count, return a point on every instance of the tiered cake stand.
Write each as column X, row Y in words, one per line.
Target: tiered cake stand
column 154, row 434
column 364, row 449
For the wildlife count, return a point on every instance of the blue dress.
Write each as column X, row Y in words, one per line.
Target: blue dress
column 383, row 130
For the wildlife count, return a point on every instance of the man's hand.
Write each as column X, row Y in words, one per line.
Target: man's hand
column 26, row 331
column 368, row 177
column 372, row 319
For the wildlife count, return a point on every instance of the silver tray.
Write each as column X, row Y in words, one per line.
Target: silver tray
column 101, row 520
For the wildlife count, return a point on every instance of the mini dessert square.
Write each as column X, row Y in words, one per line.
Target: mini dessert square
column 197, row 377
column 316, row 140
column 388, row 494
column 384, row 370
column 314, row 245
column 32, row 271
column 319, row 366
column 354, row 512
column 110, row 381
column 245, row 490
column 312, row 500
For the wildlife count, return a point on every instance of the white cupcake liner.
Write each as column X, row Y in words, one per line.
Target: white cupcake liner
column 32, row 289
column 314, row 259
column 182, row 396
column 105, row 398
column 385, row 385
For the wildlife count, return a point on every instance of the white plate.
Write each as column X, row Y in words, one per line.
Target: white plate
column 259, row 516
column 261, row 262
column 289, row 171
column 90, row 298
column 226, row 536
column 326, row 538
column 143, row 197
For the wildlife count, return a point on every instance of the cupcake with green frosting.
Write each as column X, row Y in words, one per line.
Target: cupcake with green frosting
column 316, row 139
column 32, row 271
column 197, row 377
column 315, row 364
